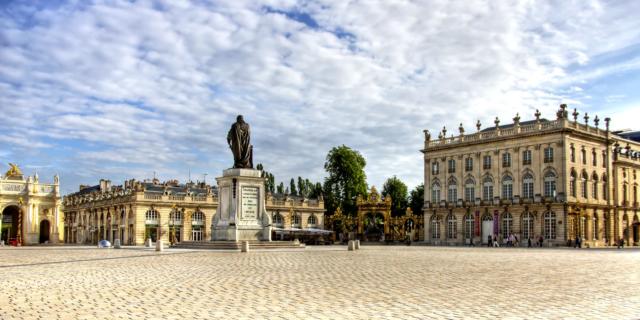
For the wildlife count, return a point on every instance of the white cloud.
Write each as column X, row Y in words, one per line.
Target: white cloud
column 129, row 88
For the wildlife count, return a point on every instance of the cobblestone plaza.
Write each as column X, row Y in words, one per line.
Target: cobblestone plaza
column 320, row 283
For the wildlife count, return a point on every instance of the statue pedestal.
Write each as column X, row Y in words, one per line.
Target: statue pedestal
column 241, row 214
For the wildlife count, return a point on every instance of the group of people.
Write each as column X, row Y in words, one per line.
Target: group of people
column 513, row 241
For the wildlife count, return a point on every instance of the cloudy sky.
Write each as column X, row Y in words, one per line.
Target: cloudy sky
column 120, row 89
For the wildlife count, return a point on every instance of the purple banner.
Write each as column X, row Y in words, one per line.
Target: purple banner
column 477, row 223
column 496, row 222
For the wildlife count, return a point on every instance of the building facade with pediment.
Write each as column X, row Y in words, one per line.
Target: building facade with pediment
column 170, row 211
column 30, row 210
column 552, row 179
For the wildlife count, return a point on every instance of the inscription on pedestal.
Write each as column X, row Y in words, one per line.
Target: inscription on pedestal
column 249, row 203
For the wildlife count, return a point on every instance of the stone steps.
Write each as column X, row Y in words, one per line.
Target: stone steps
column 231, row 245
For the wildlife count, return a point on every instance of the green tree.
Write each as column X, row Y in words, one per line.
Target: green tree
column 346, row 179
column 315, row 191
column 397, row 190
column 270, row 181
column 281, row 188
column 292, row 188
column 416, row 199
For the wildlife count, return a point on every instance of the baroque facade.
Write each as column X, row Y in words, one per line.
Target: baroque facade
column 556, row 179
column 171, row 211
column 29, row 209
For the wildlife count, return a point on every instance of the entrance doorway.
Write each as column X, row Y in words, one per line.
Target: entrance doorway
column 487, row 228
column 45, row 228
column 9, row 229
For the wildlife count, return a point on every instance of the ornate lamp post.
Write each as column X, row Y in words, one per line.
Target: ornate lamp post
column 19, row 234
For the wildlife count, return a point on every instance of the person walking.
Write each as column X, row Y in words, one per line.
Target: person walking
column 495, row 241
column 529, row 242
column 540, row 241
column 489, row 242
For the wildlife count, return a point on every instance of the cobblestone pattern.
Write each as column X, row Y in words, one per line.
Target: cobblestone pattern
column 320, row 283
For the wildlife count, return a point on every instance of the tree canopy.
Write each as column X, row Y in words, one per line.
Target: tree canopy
column 397, row 190
column 416, row 199
column 346, row 179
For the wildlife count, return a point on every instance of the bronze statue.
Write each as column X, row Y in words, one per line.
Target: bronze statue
column 239, row 142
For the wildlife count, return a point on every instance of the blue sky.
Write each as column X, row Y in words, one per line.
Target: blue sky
column 123, row 89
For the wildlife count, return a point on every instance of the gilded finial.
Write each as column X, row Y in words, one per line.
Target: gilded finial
column 596, row 120
column 575, row 115
column 478, row 124
column 461, row 129
column 497, row 122
column 537, row 115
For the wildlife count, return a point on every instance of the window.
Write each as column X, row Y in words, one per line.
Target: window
column 550, row 184
column 572, row 153
column 468, row 164
column 452, row 194
column 311, row 221
column 595, row 227
column 526, row 157
column 151, row 217
column 527, row 225
column 527, row 186
column 548, row 154
column 451, row 226
column 549, row 225
column 469, row 190
column 594, row 158
column 278, row 220
column 583, row 155
column 197, row 218
column 605, row 192
column 506, row 160
column 486, row 162
column 435, row 192
column 295, row 220
column 435, row 227
column 487, row 189
column 507, row 187
column 435, row 168
column 507, row 225
column 583, row 185
column 594, row 187
column 624, row 194
column 635, row 194
column 452, row 166
column 572, row 184
column 604, row 159
column 175, row 217
column 468, row 226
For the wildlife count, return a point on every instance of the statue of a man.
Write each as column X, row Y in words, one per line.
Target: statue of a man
column 239, row 142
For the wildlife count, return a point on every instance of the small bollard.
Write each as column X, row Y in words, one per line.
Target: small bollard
column 245, row 246
column 159, row 245
column 352, row 245
column 147, row 243
column 357, row 245
column 116, row 244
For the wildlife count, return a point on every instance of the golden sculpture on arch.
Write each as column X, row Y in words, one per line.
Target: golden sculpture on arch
column 374, row 216
column 14, row 171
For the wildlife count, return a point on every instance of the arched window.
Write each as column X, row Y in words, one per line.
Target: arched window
column 507, row 187
column 452, row 193
column 624, row 194
column 197, row 218
column 435, row 192
column 175, row 217
column 583, row 180
column 451, row 226
column 278, row 220
column 435, row 168
column 594, row 187
column 605, row 192
column 594, row 157
column 468, row 226
column 550, row 184
column 549, row 225
column 435, row 227
column 527, row 225
column 311, row 221
column 487, row 189
column 470, row 190
column 527, row 186
column 594, row 221
column 151, row 217
column 572, row 184
column 507, row 225
column 583, row 154
column 295, row 220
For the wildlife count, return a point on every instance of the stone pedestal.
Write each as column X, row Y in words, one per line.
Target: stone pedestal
column 245, row 246
column 351, row 245
column 241, row 214
column 116, row 244
column 159, row 245
column 147, row 243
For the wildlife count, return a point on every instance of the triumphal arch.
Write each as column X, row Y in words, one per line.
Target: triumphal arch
column 29, row 209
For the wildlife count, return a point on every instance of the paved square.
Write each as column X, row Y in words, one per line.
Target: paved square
column 320, row 283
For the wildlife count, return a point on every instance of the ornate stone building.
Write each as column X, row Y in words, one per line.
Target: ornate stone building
column 557, row 179
column 175, row 212
column 29, row 210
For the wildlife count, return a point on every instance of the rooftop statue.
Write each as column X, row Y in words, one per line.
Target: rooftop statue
column 13, row 171
column 240, row 143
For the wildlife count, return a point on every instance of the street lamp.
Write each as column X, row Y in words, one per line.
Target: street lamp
column 19, row 235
